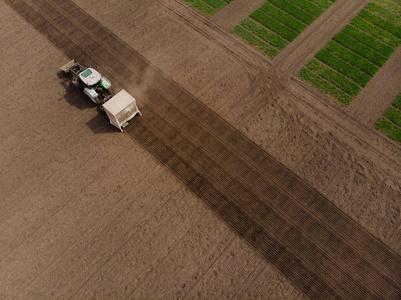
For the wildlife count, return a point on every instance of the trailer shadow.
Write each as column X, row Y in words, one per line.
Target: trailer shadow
column 101, row 124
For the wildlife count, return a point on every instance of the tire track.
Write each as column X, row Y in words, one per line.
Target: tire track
column 275, row 252
column 263, row 214
column 270, row 193
column 211, row 125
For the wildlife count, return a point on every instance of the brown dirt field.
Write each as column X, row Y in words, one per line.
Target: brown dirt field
column 87, row 212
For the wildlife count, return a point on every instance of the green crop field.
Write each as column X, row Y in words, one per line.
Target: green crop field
column 278, row 22
column 208, row 7
column 390, row 123
column 356, row 53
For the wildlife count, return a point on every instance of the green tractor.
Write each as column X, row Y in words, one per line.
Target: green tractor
column 94, row 85
column 120, row 108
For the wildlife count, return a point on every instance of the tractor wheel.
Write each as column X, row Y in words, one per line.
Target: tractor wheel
column 77, row 84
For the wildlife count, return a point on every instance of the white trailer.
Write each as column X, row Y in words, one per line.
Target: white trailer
column 121, row 108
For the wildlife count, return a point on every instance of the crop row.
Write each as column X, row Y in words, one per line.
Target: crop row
column 380, row 22
column 352, row 58
column 325, row 4
column 217, row 4
column 296, row 11
column 388, row 127
column 355, row 54
column 334, row 77
column 390, row 123
column 264, row 33
column 255, row 41
column 394, row 115
column 385, row 13
column 368, row 40
column 376, row 32
column 279, row 22
column 397, row 102
column 274, row 25
column 325, row 86
column 390, row 6
column 284, row 17
column 204, row 8
column 343, row 67
column 360, row 48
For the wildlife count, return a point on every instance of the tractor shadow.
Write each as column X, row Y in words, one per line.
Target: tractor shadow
column 75, row 97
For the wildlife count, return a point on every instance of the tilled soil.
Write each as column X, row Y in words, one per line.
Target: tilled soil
column 127, row 228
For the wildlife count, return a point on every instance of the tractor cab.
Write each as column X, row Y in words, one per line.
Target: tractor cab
column 95, row 86
column 90, row 77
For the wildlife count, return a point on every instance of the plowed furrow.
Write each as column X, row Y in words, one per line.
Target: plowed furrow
column 263, row 214
column 276, row 253
column 270, row 194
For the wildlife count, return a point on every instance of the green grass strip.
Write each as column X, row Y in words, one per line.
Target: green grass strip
column 264, row 33
column 343, row 67
column 394, row 115
column 323, row 3
column 283, row 17
column 325, row 86
column 274, row 25
column 392, row 130
column 294, row 10
column 254, row 41
column 334, row 77
column 386, row 25
column 353, row 58
column 390, row 5
column 378, row 10
column 368, row 40
column 202, row 7
column 360, row 48
column 217, row 4
column 309, row 7
column 377, row 32
column 397, row 102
